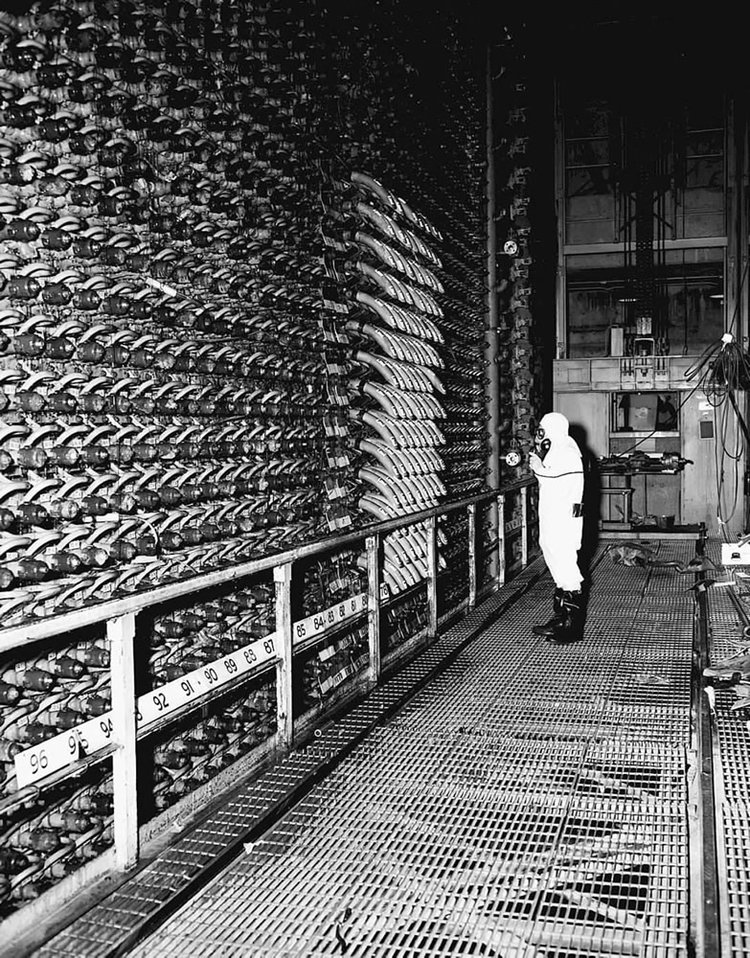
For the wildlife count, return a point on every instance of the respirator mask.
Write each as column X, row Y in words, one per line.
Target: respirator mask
column 541, row 443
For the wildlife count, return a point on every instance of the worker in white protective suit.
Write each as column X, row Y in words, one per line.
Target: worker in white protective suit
column 558, row 467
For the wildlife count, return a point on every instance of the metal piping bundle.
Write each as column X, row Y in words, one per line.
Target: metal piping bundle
column 388, row 268
column 174, row 387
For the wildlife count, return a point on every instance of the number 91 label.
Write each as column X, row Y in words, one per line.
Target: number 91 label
column 36, row 763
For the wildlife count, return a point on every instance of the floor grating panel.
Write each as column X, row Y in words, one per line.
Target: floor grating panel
column 529, row 802
column 732, row 741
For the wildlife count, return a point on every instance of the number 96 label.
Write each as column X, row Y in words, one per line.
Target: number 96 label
column 95, row 735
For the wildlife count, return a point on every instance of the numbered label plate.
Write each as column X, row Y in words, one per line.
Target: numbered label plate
column 35, row 764
column 322, row 621
column 50, row 756
column 174, row 695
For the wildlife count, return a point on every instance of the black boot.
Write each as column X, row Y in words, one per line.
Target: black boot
column 550, row 627
column 570, row 628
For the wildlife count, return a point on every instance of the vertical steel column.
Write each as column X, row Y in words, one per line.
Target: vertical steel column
column 736, row 279
column 561, row 294
column 492, row 329
column 282, row 577
column 372, row 545
column 472, row 517
column 121, row 635
column 432, row 575
column 500, row 576
column 524, row 527
column 743, row 299
column 736, row 242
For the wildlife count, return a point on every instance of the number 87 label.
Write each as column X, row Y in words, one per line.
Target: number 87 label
column 36, row 763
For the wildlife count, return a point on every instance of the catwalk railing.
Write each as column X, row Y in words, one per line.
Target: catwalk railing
column 133, row 717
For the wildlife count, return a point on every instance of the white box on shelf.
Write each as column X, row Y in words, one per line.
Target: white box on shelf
column 616, row 341
column 732, row 553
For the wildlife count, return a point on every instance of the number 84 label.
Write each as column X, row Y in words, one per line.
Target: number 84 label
column 36, row 763
column 316, row 624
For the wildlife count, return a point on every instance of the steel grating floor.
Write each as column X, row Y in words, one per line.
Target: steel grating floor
column 530, row 800
column 731, row 768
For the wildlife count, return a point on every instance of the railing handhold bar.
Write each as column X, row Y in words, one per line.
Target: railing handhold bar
column 56, row 625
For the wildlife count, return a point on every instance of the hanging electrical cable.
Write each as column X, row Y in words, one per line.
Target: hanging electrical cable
column 722, row 370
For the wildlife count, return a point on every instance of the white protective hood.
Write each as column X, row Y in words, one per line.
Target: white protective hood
column 562, row 447
column 562, row 462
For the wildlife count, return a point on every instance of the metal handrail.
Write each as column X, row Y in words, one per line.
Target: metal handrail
column 55, row 625
column 120, row 617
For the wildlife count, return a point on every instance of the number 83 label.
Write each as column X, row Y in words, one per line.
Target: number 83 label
column 174, row 695
column 35, row 764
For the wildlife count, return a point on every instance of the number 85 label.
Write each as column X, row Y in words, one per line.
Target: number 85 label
column 36, row 763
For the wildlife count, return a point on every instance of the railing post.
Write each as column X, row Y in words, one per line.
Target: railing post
column 501, row 539
column 372, row 545
column 432, row 576
column 121, row 634
column 282, row 577
column 524, row 526
column 471, row 511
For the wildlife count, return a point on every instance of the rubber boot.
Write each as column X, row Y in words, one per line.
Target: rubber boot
column 550, row 627
column 570, row 628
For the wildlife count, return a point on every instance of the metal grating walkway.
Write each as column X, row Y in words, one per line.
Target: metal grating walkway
column 731, row 731
column 530, row 801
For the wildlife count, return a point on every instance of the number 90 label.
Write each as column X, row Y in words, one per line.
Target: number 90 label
column 98, row 734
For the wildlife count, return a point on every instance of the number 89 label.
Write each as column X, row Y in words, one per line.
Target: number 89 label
column 40, row 761
column 69, row 747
